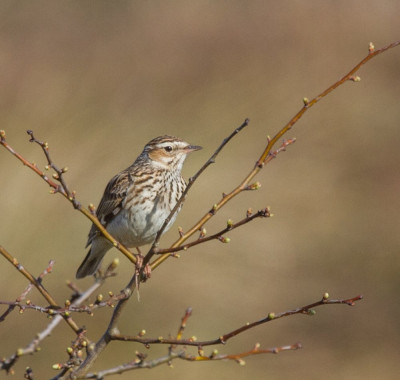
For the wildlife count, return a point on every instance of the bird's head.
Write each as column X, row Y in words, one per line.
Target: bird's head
column 169, row 152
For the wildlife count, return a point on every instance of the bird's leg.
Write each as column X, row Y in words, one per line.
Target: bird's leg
column 146, row 271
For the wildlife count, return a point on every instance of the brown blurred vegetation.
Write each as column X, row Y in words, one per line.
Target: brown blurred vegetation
column 97, row 80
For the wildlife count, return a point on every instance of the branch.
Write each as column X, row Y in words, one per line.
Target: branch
column 69, row 308
column 62, row 188
column 219, row 235
column 101, row 344
column 24, row 294
column 37, row 284
column 192, row 180
column 309, row 103
column 214, row 356
column 308, row 310
column 33, row 346
column 140, row 361
column 267, row 154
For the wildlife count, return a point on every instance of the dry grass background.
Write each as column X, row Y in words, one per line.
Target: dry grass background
column 97, row 80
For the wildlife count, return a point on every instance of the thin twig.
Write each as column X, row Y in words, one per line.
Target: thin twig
column 307, row 309
column 182, row 326
column 17, row 303
column 63, row 189
column 192, row 180
column 38, row 286
column 140, row 363
column 32, row 347
column 219, row 235
column 106, row 337
column 67, row 310
column 265, row 157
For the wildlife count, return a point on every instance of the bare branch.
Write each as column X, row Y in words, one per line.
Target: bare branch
column 308, row 309
column 24, row 294
column 63, row 189
column 266, row 155
column 35, row 282
column 217, row 236
column 192, row 180
column 141, row 363
column 32, row 347
column 75, row 367
column 106, row 337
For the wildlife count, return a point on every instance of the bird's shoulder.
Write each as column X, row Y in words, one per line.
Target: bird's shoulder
column 114, row 194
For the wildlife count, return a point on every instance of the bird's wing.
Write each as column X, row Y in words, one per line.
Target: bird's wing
column 111, row 202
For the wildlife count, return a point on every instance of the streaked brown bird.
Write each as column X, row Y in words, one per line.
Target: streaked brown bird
column 137, row 201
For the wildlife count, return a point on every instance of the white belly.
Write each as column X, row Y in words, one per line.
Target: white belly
column 140, row 224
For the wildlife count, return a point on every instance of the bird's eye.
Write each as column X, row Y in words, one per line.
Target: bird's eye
column 168, row 148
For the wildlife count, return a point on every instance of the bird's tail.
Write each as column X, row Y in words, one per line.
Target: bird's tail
column 92, row 260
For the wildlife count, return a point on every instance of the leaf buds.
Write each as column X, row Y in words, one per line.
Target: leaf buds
column 224, row 239
column 311, row 312
column 214, row 353
column 2, row 134
column 114, row 263
column 254, row 186
column 371, row 48
column 306, row 101
column 355, row 78
column 214, row 209
column 229, row 223
column 203, row 233
column 91, row 208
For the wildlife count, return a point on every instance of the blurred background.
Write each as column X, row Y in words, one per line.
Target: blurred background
column 98, row 79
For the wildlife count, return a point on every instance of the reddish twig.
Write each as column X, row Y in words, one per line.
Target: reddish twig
column 69, row 308
column 7, row 363
column 192, row 180
column 217, row 236
column 140, row 361
column 266, row 156
column 17, row 303
column 307, row 309
column 62, row 188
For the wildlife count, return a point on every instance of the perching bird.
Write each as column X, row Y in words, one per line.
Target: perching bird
column 137, row 201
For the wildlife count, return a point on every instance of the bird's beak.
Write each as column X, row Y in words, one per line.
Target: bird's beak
column 192, row 148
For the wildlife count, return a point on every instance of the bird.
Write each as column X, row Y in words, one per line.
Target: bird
column 138, row 200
